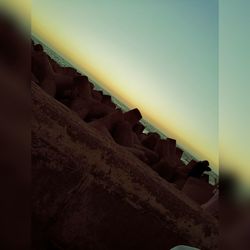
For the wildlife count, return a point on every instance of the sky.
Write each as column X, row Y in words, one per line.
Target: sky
column 159, row 56
column 234, row 89
column 186, row 69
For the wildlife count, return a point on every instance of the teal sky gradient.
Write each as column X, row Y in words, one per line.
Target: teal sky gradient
column 159, row 56
column 234, row 89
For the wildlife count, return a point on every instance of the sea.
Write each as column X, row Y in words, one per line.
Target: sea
column 186, row 156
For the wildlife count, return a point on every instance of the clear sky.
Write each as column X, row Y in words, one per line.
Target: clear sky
column 234, row 88
column 162, row 56
column 159, row 56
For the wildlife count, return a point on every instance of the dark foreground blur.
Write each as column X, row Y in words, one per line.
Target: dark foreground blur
column 14, row 135
column 15, row 178
column 234, row 214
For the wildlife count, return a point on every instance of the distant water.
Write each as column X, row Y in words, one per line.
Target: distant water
column 186, row 157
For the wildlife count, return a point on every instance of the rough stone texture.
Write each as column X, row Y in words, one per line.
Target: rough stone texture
column 90, row 193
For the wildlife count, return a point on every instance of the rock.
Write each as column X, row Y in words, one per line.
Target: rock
column 63, row 82
column 82, row 88
column 165, row 170
column 212, row 205
column 150, row 154
column 138, row 128
column 167, row 148
column 107, row 123
column 199, row 168
column 90, row 193
column 97, row 95
column 38, row 47
column 34, row 79
column 41, row 66
column 133, row 116
column 49, row 86
column 198, row 190
column 140, row 154
column 123, row 134
column 106, row 99
column 97, row 110
column 150, row 140
column 110, row 125
column 68, row 71
column 179, row 153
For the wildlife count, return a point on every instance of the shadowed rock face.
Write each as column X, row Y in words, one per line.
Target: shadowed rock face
column 101, row 183
column 90, row 193
column 199, row 168
column 151, row 140
column 138, row 128
column 198, row 189
column 133, row 116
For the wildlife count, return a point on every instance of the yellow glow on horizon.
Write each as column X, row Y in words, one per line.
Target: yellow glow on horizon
column 20, row 10
column 234, row 161
column 82, row 60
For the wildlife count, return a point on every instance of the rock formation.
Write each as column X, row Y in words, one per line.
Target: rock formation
column 99, row 181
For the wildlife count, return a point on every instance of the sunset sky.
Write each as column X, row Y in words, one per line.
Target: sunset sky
column 166, row 58
column 161, row 57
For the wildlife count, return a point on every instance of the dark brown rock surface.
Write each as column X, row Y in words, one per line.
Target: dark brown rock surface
column 91, row 193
